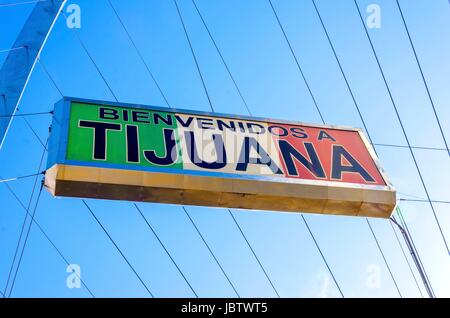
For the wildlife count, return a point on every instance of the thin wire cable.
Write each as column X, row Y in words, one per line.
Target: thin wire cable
column 414, row 256
column 222, row 58
column 193, row 55
column 423, row 77
column 138, row 52
column 342, row 70
column 413, row 245
column 26, row 122
column 254, row 254
column 118, row 248
column 24, row 118
column 41, row 229
column 296, row 61
column 410, row 195
column 26, row 114
column 165, row 249
column 41, row 63
column 403, row 128
column 25, row 243
column 406, row 228
column 210, row 251
column 212, row 109
column 13, row 4
column 12, row 49
column 21, row 177
column 413, row 147
column 384, row 258
column 91, row 58
column 323, row 256
column 424, row 200
column 407, row 261
column 24, row 222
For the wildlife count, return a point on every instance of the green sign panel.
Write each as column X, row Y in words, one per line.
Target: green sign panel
column 127, row 131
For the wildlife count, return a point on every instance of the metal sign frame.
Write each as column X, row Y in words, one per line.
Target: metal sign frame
column 126, row 182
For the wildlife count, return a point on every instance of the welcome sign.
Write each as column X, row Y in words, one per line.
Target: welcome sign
column 140, row 153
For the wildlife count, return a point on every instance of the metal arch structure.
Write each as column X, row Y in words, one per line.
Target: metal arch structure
column 19, row 64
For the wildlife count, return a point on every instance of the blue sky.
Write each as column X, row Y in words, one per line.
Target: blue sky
column 260, row 61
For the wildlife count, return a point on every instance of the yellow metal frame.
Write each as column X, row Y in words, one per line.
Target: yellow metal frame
column 188, row 189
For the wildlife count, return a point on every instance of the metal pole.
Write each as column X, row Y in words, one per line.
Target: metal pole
column 416, row 260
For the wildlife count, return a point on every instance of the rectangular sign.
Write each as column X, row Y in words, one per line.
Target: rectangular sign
column 140, row 153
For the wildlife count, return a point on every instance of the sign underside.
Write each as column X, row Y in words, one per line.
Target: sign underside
column 140, row 153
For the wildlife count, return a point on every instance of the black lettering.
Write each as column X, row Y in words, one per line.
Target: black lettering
column 273, row 131
column 313, row 165
column 298, row 132
column 184, row 124
column 193, row 154
column 241, row 126
column 324, row 135
column 157, row 117
column 100, row 130
column 204, row 123
column 264, row 158
column 338, row 168
column 221, row 124
column 250, row 128
column 108, row 113
column 171, row 154
column 132, row 143
column 139, row 117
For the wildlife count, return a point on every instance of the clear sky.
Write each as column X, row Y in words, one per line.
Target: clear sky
column 253, row 45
